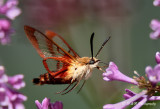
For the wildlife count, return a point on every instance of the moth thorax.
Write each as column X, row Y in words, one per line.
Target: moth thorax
column 87, row 60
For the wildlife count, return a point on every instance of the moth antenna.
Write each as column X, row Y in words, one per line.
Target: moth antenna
column 91, row 44
column 81, row 86
column 102, row 45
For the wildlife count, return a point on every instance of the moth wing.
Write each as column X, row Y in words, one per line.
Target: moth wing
column 47, row 47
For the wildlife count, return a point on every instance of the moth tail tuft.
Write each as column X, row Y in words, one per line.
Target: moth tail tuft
column 36, row 81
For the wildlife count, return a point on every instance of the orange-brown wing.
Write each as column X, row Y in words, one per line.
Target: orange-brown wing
column 47, row 47
column 61, row 42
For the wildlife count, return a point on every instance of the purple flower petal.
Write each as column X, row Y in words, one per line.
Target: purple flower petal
column 9, row 97
column 112, row 73
column 1, row 71
column 56, row 105
column 157, row 57
column 5, row 31
column 156, row 3
column 153, row 74
column 13, row 13
column 155, row 35
column 155, row 26
column 38, row 104
column 9, row 4
column 4, row 24
column 44, row 105
column 22, row 97
column 125, row 103
column 19, row 106
column 154, row 98
column 3, row 79
column 140, row 104
column 16, row 81
column 130, row 94
column 10, row 10
column 47, row 105
column 2, row 94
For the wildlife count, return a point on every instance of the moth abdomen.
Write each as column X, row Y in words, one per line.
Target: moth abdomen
column 48, row 79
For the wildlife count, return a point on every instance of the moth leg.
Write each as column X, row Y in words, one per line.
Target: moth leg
column 64, row 89
column 71, row 88
column 82, row 86
column 76, row 84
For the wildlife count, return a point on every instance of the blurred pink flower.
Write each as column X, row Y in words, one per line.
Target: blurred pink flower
column 51, row 13
column 155, row 26
column 63, row 12
column 156, row 3
column 157, row 57
column 5, row 31
column 9, row 9
column 10, row 98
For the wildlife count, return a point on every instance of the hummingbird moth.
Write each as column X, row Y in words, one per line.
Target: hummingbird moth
column 63, row 64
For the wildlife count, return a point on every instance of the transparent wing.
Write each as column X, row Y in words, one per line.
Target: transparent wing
column 61, row 42
column 47, row 47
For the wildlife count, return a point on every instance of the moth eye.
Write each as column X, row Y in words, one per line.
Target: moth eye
column 91, row 61
column 75, row 68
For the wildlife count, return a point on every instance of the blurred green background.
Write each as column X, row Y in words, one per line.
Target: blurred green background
column 127, row 22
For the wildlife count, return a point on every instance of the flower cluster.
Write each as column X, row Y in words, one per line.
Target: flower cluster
column 155, row 24
column 10, row 98
column 149, row 87
column 46, row 104
column 9, row 11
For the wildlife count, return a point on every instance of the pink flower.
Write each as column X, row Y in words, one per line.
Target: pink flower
column 5, row 31
column 150, row 87
column 153, row 74
column 157, row 57
column 130, row 94
column 10, row 98
column 156, row 3
column 125, row 103
column 10, row 9
column 155, row 26
column 112, row 73
column 47, row 105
